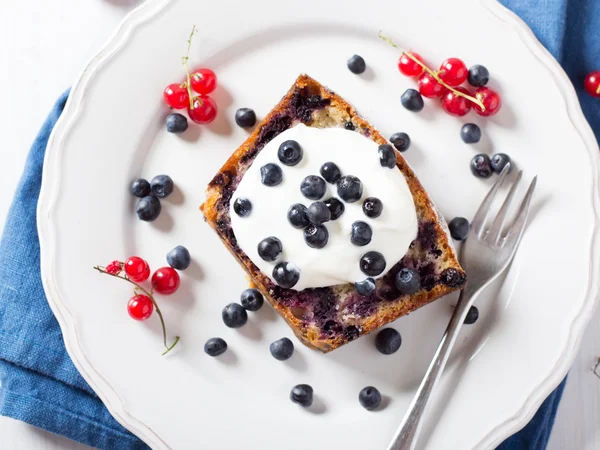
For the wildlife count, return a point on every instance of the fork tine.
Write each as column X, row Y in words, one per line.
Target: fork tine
column 493, row 235
column 516, row 229
column 481, row 215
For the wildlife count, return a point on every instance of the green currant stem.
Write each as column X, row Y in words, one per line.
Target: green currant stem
column 184, row 61
column 137, row 288
column 433, row 73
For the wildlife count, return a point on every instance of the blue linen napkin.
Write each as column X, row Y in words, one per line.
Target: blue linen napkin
column 38, row 382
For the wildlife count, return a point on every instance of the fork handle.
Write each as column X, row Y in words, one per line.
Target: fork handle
column 407, row 434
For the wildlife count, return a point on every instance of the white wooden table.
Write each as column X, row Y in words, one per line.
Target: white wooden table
column 43, row 46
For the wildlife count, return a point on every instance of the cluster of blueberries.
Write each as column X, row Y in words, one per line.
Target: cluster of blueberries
column 148, row 206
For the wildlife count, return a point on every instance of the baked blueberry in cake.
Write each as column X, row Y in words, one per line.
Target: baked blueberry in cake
column 329, row 221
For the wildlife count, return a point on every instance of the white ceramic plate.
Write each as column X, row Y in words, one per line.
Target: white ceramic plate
column 112, row 131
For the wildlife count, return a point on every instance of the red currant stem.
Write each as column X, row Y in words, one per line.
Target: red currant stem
column 184, row 61
column 150, row 295
column 598, row 89
column 433, row 73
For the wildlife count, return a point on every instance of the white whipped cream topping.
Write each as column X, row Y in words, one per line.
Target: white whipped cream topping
column 338, row 261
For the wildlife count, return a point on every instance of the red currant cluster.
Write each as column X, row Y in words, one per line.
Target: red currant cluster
column 592, row 83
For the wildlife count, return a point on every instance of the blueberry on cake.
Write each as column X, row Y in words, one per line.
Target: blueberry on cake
column 329, row 221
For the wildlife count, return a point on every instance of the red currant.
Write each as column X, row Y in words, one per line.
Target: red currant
column 408, row 66
column 165, row 280
column 140, row 307
column 137, row 269
column 490, row 99
column 114, row 268
column 176, row 96
column 203, row 81
column 453, row 72
column 592, row 83
column 204, row 109
column 429, row 87
column 455, row 104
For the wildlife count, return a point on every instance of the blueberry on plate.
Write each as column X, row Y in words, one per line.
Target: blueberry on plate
column 245, row 117
column 176, row 123
column 472, row 316
column 388, row 341
column 349, row 126
column 330, row 172
column 179, row 258
column 336, row 208
column 313, row 187
column 215, row 347
column 481, row 166
column 369, row 398
column 148, row 208
column 242, row 207
column 251, row 299
column 349, row 188
column 499, row 161
column 290, row 153
column 162, row 186
column 298, row 216
column 357, row 64
column 286, row 274
column 361, row 234
column 372, row 264
column 412, row 100
column 401, row 141
column 140, row 188
column 372, row 207
column 270, row 248
column 387, row 156
column 302, row 394
column 271, row 174
column 282, row 349
column 408, row 281
column 365, row 287
column 234, row 315
column 316, row 236
column 478, row 75
column 470, row 133
column 459, row 228
column 318, row 212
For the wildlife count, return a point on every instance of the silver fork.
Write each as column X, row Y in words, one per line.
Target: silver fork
column 486, row 253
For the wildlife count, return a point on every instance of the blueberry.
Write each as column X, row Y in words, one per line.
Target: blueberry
column 298, row 216
column 251, row 299
column 372, row 207
column 290, row 153
column 242, row 207
column 356, row 64
column 481, row 166
column 499, row 161
column 316, row 236
column 330, row 172
column 179, row 258
column 349, row 188
column 140, row 188
column 286, row 274
column 245, row 117
column 313, row 187
column 478, row 76
column 369, row 398
column 271, row 174
column 361, row 233
column 472, row 316
column 176, row 123
column 148, row 208
column 302, row 394
column 234, row 315
column 282, row 349
column 215, row 347
column 372, row 264
column 349, row 126
column 470, row 133
column 459, row 228
column 401, row 141
column 318, row 212
column 336, row 208
column 408, row 281
column 365, row 287
column 161, row 185
column 270, row 248
column 387, row 156
column 388, row 341
column 412, row 100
